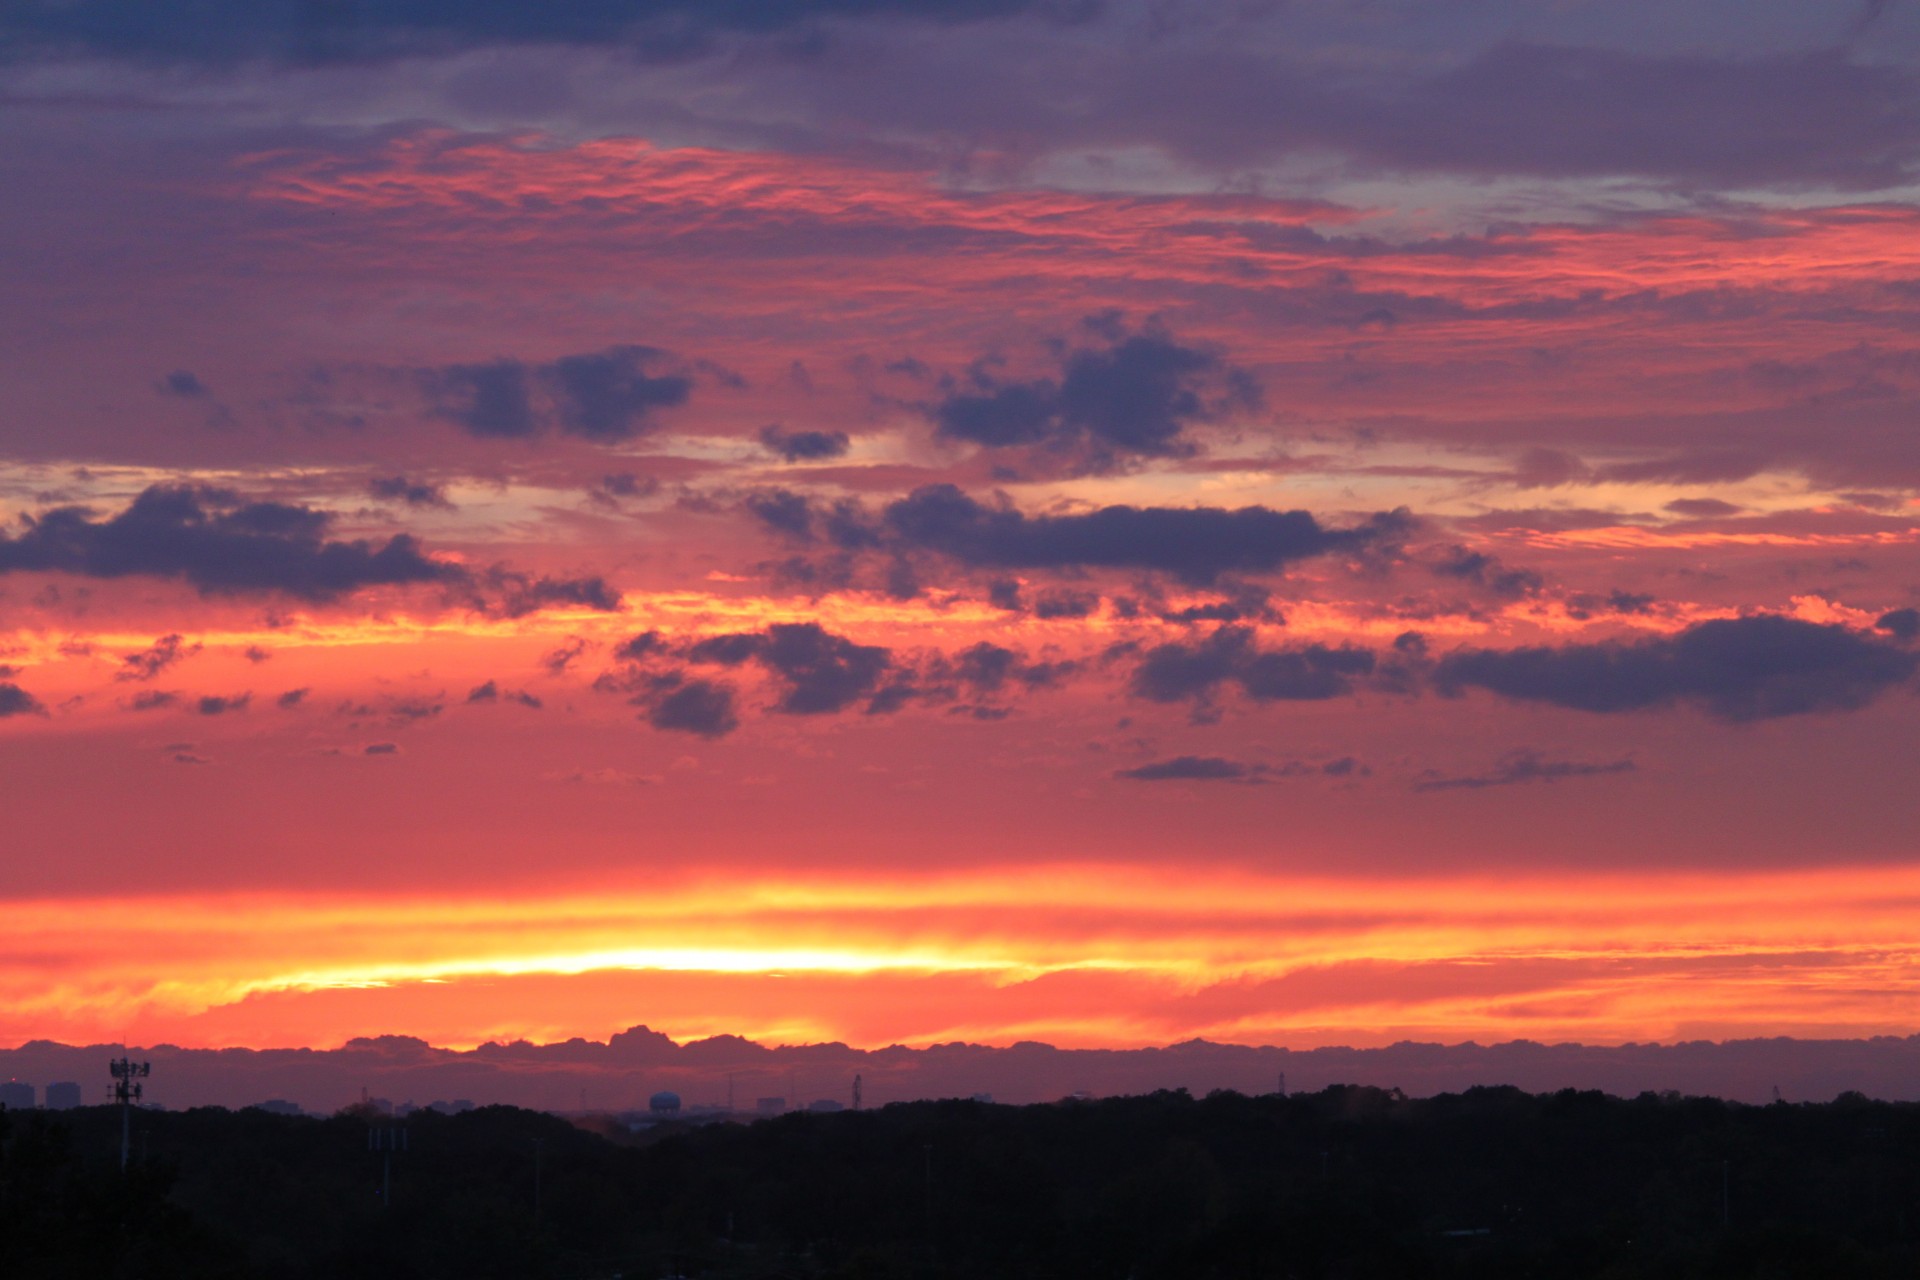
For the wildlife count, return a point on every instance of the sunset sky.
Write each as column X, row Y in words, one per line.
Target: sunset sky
column 1296, row 522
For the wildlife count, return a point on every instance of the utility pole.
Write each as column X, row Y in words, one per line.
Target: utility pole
column 536, row 1182
column 386, row 1139
column 856, row 1093
column 126, row 1092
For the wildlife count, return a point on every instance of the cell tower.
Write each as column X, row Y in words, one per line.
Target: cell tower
column 126, row 1091
column 389, row 1138
column 856, row 1093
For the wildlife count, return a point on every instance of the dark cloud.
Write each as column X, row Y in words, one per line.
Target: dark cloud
column 1584, row 605
column 1487, row 571
column 559, row 659
column 520, row 594
column 491, row 692
column 151, row 661
column 1703, row 508
column 1195, row 544
column 783, row 511
column 411, row 710
column 1522, row 767
column 291, row 699
column 1737, row 669
column 1134, row 397
column 1562, row 110
column 1188, row 769
column 15, row 701
column 492, row 399
column 1060, row 603
column 804, row 446
column 703, row 707
column 1179, row 672
column 381, row 749
column 646, row 644
column 185, row 384
column 986, row 669
column 823, row 672
column 1901, row 624
column 219, row 543
column 1216, row 769
column 609, row 395
column 1548, row 109
column 319, row 32
column 215, row 705
column 605, row 396
column 625, row 484
column 415, row 493
column 153, row 700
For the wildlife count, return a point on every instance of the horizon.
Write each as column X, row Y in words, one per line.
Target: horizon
column 623, row 1072
column 1105, row 523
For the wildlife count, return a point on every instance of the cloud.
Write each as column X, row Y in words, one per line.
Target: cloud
column 520, row 594
column 1178, row 672
column 381, row 749
column 15, row 701
column 1188, row 769
column 604, row 396
column 1703, row 508
column 291, row 699
column 226, row 32
column 557, row 660
column 1487, row 571
column 703, row 707
column 1542, row 108
column 1134, row 397
column 823, row 673
column 1723, row 466
column 1901, row 624
column 1194, row 544
column 804, row 446
column 1217, row 769
column 219, row 543
column 783, row 511
column 491, row 692
column 1737, row 669
column 1524, row 766
column 151, row 661
column 216, row 705
column 415, row 493
column 185, row 384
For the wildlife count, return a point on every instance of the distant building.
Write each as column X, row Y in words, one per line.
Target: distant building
column 982, row 1098
column 453, row 1108
column 63, row 1095
column 279, row 1107
column 664, row 1103
column 825, row 1104
column 770, row 1106
column 15, row 1096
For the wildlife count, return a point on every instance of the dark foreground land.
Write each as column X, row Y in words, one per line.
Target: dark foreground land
column 1349, row 1182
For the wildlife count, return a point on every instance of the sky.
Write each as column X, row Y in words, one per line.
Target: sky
column 1107, row 522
